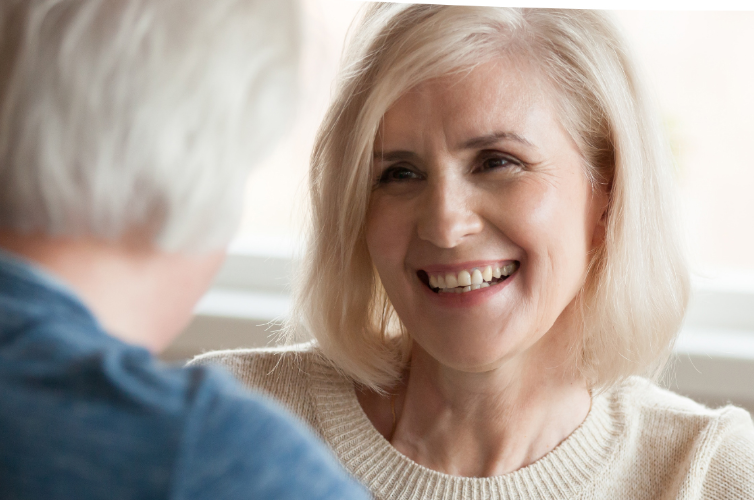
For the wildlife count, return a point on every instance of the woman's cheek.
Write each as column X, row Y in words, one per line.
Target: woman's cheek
column 523, row 214
column 385, row 234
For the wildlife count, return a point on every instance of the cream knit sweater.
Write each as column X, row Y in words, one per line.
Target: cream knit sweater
column 638, row 441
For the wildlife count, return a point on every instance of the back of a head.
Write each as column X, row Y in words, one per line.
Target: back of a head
column 123, row 116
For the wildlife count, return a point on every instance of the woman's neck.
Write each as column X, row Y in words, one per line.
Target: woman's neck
column 480, row 424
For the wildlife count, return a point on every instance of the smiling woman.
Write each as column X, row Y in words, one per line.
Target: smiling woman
column 544, row 70
column 491, row 184
column 494, row 274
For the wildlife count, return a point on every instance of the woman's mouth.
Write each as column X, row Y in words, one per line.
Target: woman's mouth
column 467, row 280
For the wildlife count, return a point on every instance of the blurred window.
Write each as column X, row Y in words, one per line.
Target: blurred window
column 701, row 69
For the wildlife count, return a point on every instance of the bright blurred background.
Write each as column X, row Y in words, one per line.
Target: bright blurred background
column 701, row 69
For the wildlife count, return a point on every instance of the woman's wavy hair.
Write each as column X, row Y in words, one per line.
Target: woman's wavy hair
column 636, row 290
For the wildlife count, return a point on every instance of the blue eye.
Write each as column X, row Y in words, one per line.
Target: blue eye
column 398, row 174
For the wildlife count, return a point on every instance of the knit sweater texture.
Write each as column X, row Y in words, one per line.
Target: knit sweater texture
column 638, row 442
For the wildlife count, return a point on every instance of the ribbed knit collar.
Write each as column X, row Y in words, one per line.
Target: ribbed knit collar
column 577, row 462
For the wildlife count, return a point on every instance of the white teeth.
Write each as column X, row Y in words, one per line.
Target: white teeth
column 476, row 277
column 487, row 273
column 464, row 278
column 450, row 280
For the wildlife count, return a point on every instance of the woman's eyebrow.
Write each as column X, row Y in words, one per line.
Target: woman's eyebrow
column 494, row 138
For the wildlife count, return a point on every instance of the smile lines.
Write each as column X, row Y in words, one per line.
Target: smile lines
column 472, row 279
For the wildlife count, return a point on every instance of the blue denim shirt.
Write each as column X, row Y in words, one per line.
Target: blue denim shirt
column 86, row 416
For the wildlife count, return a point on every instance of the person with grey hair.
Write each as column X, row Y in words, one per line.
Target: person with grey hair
column 127, row 129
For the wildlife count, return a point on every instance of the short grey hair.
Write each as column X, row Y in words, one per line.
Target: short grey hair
column 122, row 116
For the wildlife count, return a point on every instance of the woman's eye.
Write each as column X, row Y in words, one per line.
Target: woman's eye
column 498, row 162
column 398, row 174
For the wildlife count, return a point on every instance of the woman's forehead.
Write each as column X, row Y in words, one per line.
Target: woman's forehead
column 493, row 98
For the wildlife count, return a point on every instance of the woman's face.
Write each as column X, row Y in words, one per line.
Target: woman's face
column 475, row 172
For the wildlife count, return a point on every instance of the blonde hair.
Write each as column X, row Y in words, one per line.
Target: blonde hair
column 132, row 116
column 637, row 286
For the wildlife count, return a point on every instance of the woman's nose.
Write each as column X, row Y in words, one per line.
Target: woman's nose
column 448, row 215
